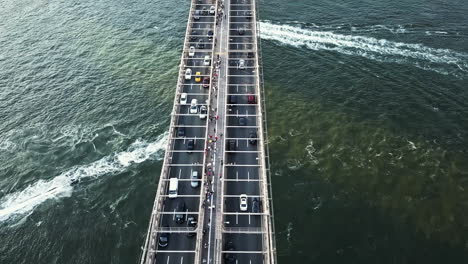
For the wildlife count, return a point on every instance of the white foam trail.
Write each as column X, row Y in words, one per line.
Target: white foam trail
column 25, row 201
column 372, row 48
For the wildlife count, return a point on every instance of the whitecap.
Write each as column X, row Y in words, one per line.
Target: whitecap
column 25, row 201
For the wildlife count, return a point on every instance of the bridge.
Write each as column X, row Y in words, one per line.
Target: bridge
column 213, row 201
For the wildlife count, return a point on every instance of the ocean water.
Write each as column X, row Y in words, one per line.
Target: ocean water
column 367, row 108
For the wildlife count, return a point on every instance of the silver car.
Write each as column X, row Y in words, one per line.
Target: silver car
column 195, row 181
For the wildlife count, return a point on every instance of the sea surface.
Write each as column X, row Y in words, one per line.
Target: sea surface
column 367, row 105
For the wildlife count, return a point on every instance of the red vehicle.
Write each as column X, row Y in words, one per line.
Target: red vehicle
column 251, row 99
column 206, row 82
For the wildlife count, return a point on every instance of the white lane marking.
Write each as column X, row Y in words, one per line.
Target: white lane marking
column 184, row 140
column 237, row 143
column 180, row 172
column 248, row 175
column 181, row 260
column 186, row 214
column 237, row 175
column 168, row 259
column 173, row 215
column 237, row 218
column 246, row 112
column 246, row 90
column 237, row 86
column 191, row 85
column 191, row 173
column 249, row 219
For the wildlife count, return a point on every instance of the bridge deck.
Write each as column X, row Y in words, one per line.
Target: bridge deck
column 229, row 146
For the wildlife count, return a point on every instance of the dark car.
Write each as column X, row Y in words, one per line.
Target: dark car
column 206, row 82
column 180, row 212
column 232, row 99
column 210, row 34
column 190, row 144
column 255, row 205
column 250, row 55
column 205, row 11
column 192, row 38
column 242, row 121
column 231, row 144
column 251, row 99
column 163, row 240
column 240, row 30
column 201, row 44
column 192, row 225
column 253, row 138
column 181, row 132
column 228, row 257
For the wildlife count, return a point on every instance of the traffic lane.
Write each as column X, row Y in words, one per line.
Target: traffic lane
column 249, row 258
column 201, row 98
column 234, row 62
column 194, row 88
column 238, row 132
column 244, row 242
column 175, row 258
column 241, row 38
column 189, row 133
column 240, row 89
column 243, row 187
column 240, row 145
column 170, row 208
column 241, row 79
column 242, row 159
column 204, row 71
column 243, row 220
column 240, row 117
column 190, row 119
column 184, row 172
column 182, row 144
column 240, row 173
column 234, row 69
column 186, row 158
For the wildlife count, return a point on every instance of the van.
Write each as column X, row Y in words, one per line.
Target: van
column 173, row 187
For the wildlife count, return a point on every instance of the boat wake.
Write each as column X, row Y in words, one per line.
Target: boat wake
column 25, row 201
column 443, row 61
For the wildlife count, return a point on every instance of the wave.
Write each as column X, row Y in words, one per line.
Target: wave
column 444, row 61
column 25, row 201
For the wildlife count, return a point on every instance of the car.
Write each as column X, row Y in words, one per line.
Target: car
column 188, row 74
column 192, row 225
column 197, row 14
column 193, row 106
column 212, row 10
column 255, row 205
column 210, row 35
column 231, row 144
column 240, row 30
column 242, row 121
column 163, row 240
column 205, row 11
column 180, row 213
column 207, row 60
column 243, row 202
column 241, row 64
column 183, row 98
column 194, row 179
column 250, row 55
column 192, row 38
column 232, row 99
column 253, row 138
column 248, row 14
column 251, row 99
column 200, row 44
column 198, row 77
column 191, row 52
column 203, row 111
column 206, row 82
column 181, row 132
column 190, row 144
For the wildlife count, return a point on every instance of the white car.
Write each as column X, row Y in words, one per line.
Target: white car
column 207, row 60
column 194, row 179
column 203, row 111
column 191, row 52
column 212, row 10
column 188, row 74
column 183, row 98
column 243, row 202
column 193, row 106
column 241, row 64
